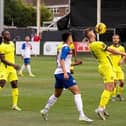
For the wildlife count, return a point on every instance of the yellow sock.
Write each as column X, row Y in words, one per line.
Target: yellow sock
column 120, row 90
column 104, row 98
column 1, row 88
column 14, row 96
column 114, row 92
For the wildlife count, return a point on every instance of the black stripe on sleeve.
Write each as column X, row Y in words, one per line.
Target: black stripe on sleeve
column 106, row 48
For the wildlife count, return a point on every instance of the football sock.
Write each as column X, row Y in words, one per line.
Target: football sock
column 29, row 69
column 120, row 90
column 114, row 92
column 14, row 96
column 104, row 98
column 52, row 100
column 22, row 68
column 1, row 88
column 79, row 104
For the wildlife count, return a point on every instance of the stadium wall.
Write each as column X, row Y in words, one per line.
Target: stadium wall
column 19, row 34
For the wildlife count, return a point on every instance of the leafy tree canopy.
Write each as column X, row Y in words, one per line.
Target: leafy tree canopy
column 22, row 15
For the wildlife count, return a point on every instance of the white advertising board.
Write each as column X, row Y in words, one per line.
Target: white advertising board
column 50, row 48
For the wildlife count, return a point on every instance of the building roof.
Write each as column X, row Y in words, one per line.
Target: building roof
column 55, row 2
column 49, row 2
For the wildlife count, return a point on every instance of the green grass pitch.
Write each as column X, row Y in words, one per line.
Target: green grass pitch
column 34, row 93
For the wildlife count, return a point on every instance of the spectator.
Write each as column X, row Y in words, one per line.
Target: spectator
column 36, row 38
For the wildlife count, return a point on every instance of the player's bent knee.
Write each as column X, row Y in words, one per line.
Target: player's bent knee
column 75, row 89
column 58, row 92
column 14, row 84
column 57, row 95
column 109, row 86
column 121, row 83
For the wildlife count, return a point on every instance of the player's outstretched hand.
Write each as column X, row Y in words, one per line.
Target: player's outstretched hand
column 78, row 62
column 17, row 67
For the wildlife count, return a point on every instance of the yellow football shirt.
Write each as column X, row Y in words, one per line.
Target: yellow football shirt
column 105, row 66
column 116, row 58
column 98, row 49
column 59, row 47
column 8, row 51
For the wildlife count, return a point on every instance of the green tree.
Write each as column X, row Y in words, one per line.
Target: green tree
column 46, row 14
column 23, row 15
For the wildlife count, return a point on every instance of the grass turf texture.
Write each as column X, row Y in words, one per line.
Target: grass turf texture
column 34, row 93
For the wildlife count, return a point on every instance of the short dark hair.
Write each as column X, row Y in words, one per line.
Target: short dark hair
column 86, row 31
column 65, row 36
column 4, row 32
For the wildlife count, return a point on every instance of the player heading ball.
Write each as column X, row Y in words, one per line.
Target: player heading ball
column 105, row 68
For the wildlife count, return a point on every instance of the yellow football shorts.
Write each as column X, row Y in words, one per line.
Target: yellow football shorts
column 107, row 73
column 119, row 73
column 8, row 74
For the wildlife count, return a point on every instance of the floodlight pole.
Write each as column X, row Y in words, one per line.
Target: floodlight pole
column 69, row 2
column 1, row 15
column 98, row 14
column 38, row 20
column 69, row 6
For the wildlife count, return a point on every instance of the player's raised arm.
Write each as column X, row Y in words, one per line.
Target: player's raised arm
column 76, row 60
column 113, row 51
column 76, row 63
column 74, row 53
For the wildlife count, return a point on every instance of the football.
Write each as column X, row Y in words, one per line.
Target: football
column 100, row 28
